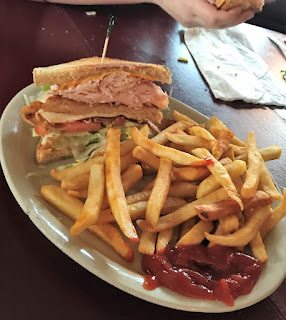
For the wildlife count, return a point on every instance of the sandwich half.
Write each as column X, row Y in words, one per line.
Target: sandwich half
column 255, row 5
column 83, row 98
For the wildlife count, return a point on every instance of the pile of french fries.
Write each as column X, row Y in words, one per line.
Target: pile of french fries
column 204, row 185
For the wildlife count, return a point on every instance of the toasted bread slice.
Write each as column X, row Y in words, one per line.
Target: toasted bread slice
column 46, row 154
column 79, row 70
column 59, row 110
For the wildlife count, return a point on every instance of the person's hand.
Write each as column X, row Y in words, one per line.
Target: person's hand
column 200, row 13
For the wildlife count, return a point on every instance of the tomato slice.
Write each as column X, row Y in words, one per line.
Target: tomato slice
column 77, row 126
column 41, row 130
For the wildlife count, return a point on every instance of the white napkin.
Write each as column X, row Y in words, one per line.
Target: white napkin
column 231, row 67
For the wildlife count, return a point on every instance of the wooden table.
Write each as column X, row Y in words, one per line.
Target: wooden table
column 37, row 280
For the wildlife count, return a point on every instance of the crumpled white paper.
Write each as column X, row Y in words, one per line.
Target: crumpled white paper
column 231, row 67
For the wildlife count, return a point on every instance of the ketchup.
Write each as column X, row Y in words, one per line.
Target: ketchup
column 211, row 273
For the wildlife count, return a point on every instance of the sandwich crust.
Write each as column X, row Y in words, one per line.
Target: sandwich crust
column 79, row 70
column 46, row 154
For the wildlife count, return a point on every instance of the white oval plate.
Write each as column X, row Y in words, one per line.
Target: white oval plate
column 17, row 145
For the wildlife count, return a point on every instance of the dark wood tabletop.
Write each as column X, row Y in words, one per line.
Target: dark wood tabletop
column 38, row 281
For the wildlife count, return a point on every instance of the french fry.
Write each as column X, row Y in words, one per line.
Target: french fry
column 253, row 172
column 222, row 143
column 181, row 117
column 160, row 138
column 92, row 205
column 217, row 210
column 182, row 214
column 79, row 194
column 182, row 189
column 77, row 170
column 128, row 177
column 187, row 226
column 256, row 244
column 163, row 151
column 266, row 183
column 221, row 174
column 191, row 142
column 147, row 242
column 229, row 223
column 146, row 157
column 190, row 173
column 114, row 188
column 72, row 208
column 129, row 145
column 246, row 233
column 163, row 239
column 268, row 153
column 78, row 183
column 196, row 235
column 201, row 133
column 278, row 213
column 126, row 161
column 137, row 210
column 215, row 122
column 210, row 184
column 261, row 198
column 159, row 192
column 229, row 153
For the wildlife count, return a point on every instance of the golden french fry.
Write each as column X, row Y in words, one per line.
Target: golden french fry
column 72, row 207
column 225, row 161
column 79, row 194
column 129, row 145
column 137, row 210
column 187, row 226
column 147, row 242
column 235, row 169
column 229, row 153
column 159, row 192
column 229, row 223
column 182, row 214
column 201, row 133
column 128, row 177
column 238, row 150
column 146, row 157
column 190, row 173
column 266, row 183
column 250, row 184
column 126, row 161
column 197, row 234
column 114, row 188
column 191, row 142
column 182, row 189
column 217, row 210
column 77, row 170
column 221, row 174
column 92, row 205
column 160, row 138
column 268, row 153
column 256, row 244
column 222, row 143
column 77, row 183
column 163, row 151
column 246, row 233
column 278, row 213
column 261, row 198
column 163, row 239
column 181, row 117
column 215, row 122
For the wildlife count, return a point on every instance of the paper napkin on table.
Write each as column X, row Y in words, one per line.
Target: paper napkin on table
column 231, row 67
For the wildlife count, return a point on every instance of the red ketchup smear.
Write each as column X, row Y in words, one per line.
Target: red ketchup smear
column 150, row 282
column 211, row 273
column 203, row 163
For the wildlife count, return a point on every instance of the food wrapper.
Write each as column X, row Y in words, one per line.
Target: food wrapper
column 233, row 70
